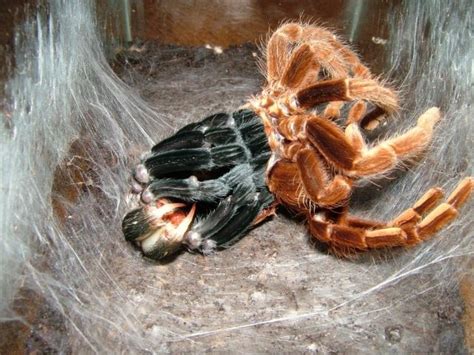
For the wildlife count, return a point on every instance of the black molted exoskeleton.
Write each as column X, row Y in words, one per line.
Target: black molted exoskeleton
column 219, row 164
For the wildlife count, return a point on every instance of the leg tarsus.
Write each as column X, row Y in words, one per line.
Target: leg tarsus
column 420, row 228
column 436, row 219
column 461, row 193
column 384, row 156
column 417, row 138
column 428, row 200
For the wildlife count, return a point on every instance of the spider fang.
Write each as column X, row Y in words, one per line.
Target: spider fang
column 158, row 228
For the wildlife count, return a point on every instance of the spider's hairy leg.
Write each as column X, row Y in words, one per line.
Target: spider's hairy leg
column 425, row 218
column 284, row 182
column 356, row 67
column 367, row 115
column 213, row 144
column 347, row 90
column 409, row 228
column 343, row 237
column 355, row 138
column 333, row 110
column 384, row 156
column 291, row 127
column 357, row 112
column 195, row 138
column 300, row 51
column 189, row 189
column 306, row 62
column 331, row 142
column 278, row 48
column 195, row 160
column 317, row 184
column 349, row 152
column 300, row 64
column 229, row 221
column 234, row 215
column 296, row 53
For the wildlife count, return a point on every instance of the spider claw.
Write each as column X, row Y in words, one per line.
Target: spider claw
column 141, row 174
column 193, row 240
column 208, row 247
column 136, row 187
column 147, row 196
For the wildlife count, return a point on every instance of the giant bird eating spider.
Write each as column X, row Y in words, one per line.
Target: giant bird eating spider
column 300, row 144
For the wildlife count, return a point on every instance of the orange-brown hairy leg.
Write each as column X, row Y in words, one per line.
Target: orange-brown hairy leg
column 306, row 60
column 347, row 90
column 409, row 228
column 284, row 182
column 333, row 63
column 325, row 91
column 333, row 110
column 294, row 57
column 419, row 228
column 292, row 126
column 316, row 32
column 357, row 222
column 355, row 138
column 290, row 150
column 366, row 116
column 384, row 156
column 331, row 142
column 347, row 150
column 347, row 238
column 318, row 186
column 299, row 66
column 357, row 112
column 358, row 69
column 279, row 47
column 333, row 56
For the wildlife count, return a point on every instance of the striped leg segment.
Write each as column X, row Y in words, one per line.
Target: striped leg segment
column 411, row 227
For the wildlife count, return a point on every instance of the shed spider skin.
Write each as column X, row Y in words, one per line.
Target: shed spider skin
column 299, row 143
column 216, row 166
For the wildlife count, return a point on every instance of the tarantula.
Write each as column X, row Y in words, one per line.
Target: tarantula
column 300, row 144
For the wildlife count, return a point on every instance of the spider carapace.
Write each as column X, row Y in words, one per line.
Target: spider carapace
column 299, row 143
